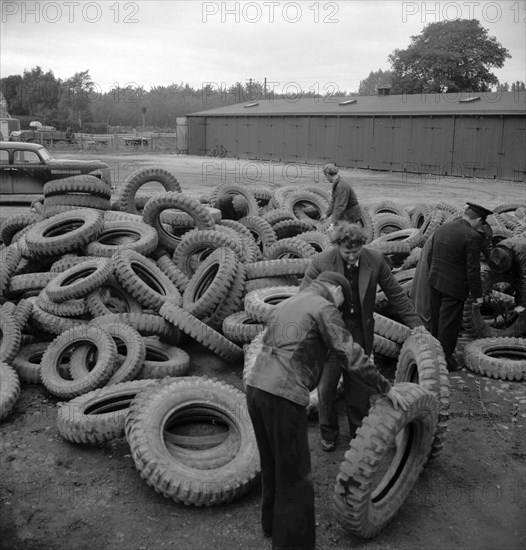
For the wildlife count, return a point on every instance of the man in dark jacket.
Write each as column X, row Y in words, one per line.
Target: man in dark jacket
column 454, row 272
column 364, row 268
column 301, row 331
column 344, row 202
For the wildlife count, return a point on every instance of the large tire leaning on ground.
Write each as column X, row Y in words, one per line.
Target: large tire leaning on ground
column 503, row 358
column 9, row 389
column 130, row 187
column 156, row 205
column 201, row 332
column 64, row 232
column 422, row 362
column 150, row 416
column 364, row 504
column 68, row 340
column 98, row 416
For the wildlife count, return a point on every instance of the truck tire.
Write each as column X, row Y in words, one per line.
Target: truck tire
column 136, row 236
column 9, row 389
column 144, row 280
column 27, row 362
column 384, row 346
column 293, row 247
column 64, row 232
column 277, row 268
column 422, row 362
column 163, row 360
column 241, row 328
column 78, row 281
column 503, row 358
column 131, row 352
column 78, row 184
column 199, row 242
column 145, row 323
column 232, row 302
column 201, row 332
column 156, row 205
column 129, row 188
column 11, row 336
column 98, row 416
column 397, row 332
column 148, row 419
column 98, row 376
column 210, row 283
column 259, row 304
column 69, row 308
column 364, row 504
column 111, row 298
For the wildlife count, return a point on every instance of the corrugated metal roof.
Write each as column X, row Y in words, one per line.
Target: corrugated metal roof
column 473, row 103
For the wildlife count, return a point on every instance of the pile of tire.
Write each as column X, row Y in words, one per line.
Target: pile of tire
column 101, row 295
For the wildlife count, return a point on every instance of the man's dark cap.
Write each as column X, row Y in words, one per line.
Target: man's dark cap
column 335, row 278
column 479, row 210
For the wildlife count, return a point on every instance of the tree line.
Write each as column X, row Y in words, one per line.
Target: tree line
column 449, row 56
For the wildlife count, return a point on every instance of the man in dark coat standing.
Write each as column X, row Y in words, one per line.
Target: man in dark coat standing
column 364, row 268
column 344, row 202
column 454, row 272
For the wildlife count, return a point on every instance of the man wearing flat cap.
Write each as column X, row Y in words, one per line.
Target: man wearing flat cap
column 301, row 331
column 453, row 259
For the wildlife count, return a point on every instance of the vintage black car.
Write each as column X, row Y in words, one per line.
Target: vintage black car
column 26, row 167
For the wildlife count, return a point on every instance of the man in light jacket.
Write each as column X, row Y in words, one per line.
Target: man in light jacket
column 300, row 334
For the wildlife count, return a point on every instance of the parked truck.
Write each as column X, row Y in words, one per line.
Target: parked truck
column 45, row 135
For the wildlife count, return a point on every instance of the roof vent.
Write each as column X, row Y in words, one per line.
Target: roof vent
column 384, row 90
column 251, row 105
column 347, row 102
column 469, row 99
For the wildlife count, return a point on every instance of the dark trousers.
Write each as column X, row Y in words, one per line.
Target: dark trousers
column 356, row 397
column 446, row 320
column 287, row 507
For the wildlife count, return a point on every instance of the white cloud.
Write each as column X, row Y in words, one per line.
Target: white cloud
column 158, row 43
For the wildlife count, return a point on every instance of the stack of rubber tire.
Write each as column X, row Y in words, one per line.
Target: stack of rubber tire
column 99, row 305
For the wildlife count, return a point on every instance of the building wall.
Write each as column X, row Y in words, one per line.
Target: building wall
column 470, row 146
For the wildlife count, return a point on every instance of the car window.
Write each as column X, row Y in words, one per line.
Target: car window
column 4, row 157
column 26, row 157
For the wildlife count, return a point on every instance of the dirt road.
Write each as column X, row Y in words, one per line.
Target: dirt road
column 62, row 496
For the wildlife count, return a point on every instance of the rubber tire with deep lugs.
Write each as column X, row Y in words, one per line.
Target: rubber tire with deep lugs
column 363, row 505
column 150, row 414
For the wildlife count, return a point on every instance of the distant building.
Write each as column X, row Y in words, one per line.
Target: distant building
column 469, row 134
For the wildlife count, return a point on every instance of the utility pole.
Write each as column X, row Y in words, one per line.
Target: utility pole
column 265, row 88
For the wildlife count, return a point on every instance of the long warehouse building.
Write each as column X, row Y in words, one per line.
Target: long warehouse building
column 480, row 135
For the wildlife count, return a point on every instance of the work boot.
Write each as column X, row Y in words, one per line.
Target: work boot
column 328, row 446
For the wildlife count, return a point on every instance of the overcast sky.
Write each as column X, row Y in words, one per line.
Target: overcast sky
column 324, row 46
